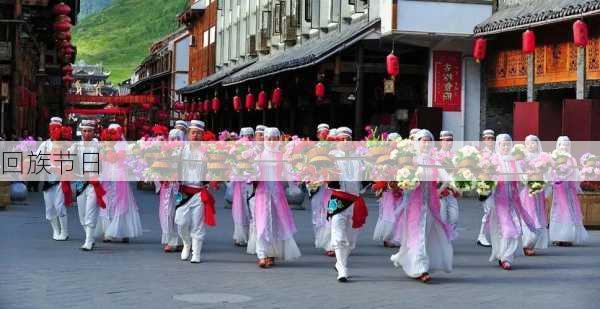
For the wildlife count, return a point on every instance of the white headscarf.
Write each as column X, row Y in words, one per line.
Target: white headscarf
column 564, row 140
column 176, row 134
column 502, row 138
column 535, row 139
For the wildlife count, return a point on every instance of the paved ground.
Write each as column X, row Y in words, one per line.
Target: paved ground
column 36, row 272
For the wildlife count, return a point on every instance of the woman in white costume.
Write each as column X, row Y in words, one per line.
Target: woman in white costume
column 166, row 208
column 273, row 218
column 426, row 240
column 535, row 205
column 566, row 219
column 507, row 218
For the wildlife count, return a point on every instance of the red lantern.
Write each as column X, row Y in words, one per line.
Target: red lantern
column 276, row 97
column 580, row 33
column 262, row 100
column 179, row 106
column 146, row 106
column 479, row 49
column 249, row 101
column 68, row 79
column 188, row 107
column 63, row 36
column 528, row 42
column 216, row 104
column 67, row 69
column 62, row 26
column 198, row 107
column 61, row 9
column 162, row 115
column 320, row 91
column 64, row 18
column 237, row 103
column 392, row 65
column 207, row 106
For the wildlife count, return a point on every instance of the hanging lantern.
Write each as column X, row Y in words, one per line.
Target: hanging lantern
column 528, row 42
column 188, row 107
column 64, row 18
column 68, row 79
column 392, row 65
column 207, row 106
column 179, row 106
column 67, row 69
column 237, row 103
column 479, row 49
column 249, row 101
column 276, row 97
column 262, row 100
column 198, row 107
column 62, row 26
column 320, row 91
column 146, row 106
column 61, row 9
column 162, row 115
column 580, row 33
column 63, row 36
column 216, row 104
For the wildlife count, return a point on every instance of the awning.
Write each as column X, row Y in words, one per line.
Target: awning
column 214, row 79
column 305, row 54
column 536, row 13
column 150, row 78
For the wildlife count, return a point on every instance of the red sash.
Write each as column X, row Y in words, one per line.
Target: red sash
column 100, row 192
column 360, row 213
column 210, row 217
column 65, row 186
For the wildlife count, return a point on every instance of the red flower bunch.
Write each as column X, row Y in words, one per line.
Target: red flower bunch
column 55, row 131
column 209, row 136
column 66, row 133
column 160, row 130
column 110, row 135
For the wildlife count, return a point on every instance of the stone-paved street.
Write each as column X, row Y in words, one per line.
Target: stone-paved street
column 37, row 272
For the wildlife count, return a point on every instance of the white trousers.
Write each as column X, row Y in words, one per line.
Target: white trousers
column 190, row 220
column 343, row 236
column 54, row 199
column 87, row 207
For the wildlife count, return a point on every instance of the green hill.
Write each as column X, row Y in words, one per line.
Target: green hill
column 89, row 7
column 120, row 35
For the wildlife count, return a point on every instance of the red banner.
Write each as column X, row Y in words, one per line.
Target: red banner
column 447, row 80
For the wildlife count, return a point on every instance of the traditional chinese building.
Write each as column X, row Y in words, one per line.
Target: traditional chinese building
column 35, row 51
column 164, row 71
column 326, row 60
column 92, row 79
column 542, row 72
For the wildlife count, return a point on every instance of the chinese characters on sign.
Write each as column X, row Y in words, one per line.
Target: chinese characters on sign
column 447, row 80
column 44, row 163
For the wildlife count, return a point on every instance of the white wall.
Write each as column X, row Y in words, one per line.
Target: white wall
column 440, row 17
column 182, row 54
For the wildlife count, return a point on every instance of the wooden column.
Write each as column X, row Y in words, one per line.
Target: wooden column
column 358, row 111
column 530, row 77
column 580, row 86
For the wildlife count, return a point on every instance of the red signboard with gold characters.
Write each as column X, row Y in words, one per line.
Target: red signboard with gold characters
column 447, row 80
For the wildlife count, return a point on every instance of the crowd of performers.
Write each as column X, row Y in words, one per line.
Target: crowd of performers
column 421, row 222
